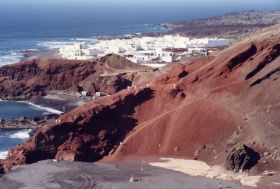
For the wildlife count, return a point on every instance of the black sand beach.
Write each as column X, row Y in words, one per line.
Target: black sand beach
column 77, row 175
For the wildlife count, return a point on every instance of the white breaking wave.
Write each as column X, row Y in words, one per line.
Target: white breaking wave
column 23, row 134
column 85, row 39
column 3, row 155
column 50, row 110
column 53, row 44
column 10, row 58
column 32, row 50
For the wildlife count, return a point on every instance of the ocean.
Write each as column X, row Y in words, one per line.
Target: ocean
column 10, row 110
column 10, row 139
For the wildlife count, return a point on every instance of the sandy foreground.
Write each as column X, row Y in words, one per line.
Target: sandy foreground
column 199, row 168
column 129, row 175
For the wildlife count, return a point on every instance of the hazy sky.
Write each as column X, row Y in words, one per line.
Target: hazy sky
column 143, row 2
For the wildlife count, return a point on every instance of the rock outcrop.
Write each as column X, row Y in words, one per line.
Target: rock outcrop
column 241, row 158
column 203, row 103
column 26, row 123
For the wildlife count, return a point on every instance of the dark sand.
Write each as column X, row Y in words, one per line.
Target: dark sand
column 62, row 102
column 77, row 175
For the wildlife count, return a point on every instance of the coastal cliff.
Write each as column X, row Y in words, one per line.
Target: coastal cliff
column 200, row 110
column 31, row 79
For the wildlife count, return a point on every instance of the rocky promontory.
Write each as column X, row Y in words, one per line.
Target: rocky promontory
column 27, row 123
column 35, row 78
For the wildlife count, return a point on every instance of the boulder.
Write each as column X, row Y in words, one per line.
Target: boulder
column 241, row 157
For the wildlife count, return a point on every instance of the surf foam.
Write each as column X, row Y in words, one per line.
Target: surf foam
column 10, row 57
column 23, row 134
column 3, row 154
column 50, row 110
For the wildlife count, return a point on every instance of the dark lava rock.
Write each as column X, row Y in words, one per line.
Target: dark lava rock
column 241, row 157
column 2, row 170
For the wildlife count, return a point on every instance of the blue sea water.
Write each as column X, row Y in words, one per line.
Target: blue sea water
column 10, row 139
column 10, row 110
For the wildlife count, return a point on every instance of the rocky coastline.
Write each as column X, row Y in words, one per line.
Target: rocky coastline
column 27, row 123
column 236, row 25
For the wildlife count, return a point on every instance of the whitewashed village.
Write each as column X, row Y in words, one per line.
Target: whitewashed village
column 151, row 51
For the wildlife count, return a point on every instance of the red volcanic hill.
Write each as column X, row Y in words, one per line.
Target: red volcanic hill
column 198, row 110
column 34, row 78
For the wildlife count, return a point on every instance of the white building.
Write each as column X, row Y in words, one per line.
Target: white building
column 168, row 56
column 198, row 50
column 140, row 49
